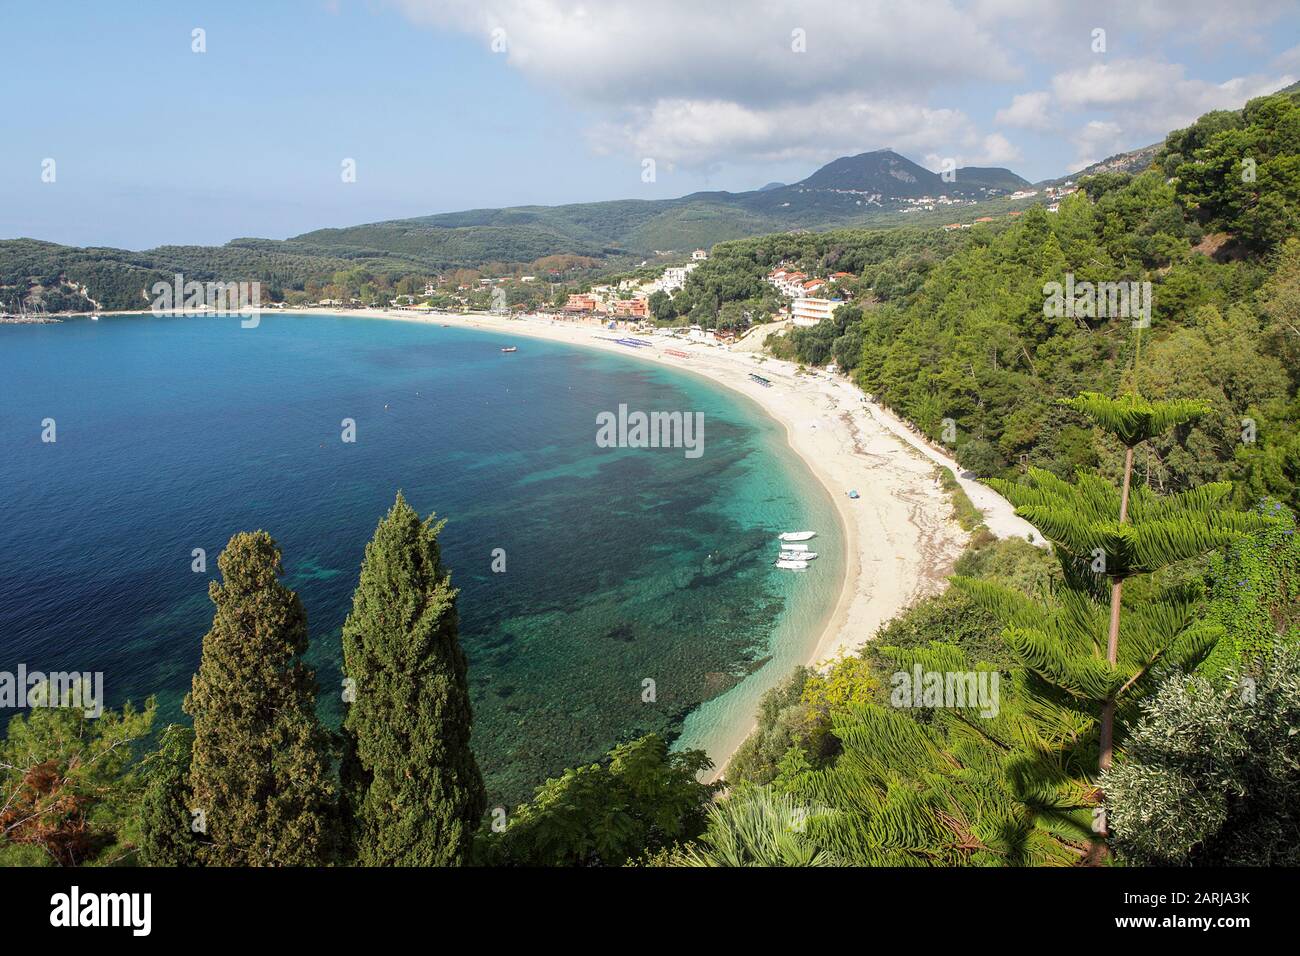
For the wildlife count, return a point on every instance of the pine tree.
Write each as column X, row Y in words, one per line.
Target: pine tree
column 166, row 834
column 69, row 782
column 260, row 771
column 413, row 794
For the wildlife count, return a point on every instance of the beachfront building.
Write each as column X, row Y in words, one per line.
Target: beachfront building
column 638, row 307
column 808, row 311
column 581, row 303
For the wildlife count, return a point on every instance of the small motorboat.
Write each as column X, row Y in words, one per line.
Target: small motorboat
column 853, row 493
column 797, row 535
column 798, row 555
column 510, row 348
column 792, row 565
column 794, row 547
column 94, row 318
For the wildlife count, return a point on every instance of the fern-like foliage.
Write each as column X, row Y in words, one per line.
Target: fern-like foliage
column 1061, row 647
column 964, row 788
column 1082, row 518
column 1132, row 419
column 757, row 827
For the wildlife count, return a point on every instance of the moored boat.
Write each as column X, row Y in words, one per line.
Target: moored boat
column 510, row 348
column 797, row 535
column 792, row 565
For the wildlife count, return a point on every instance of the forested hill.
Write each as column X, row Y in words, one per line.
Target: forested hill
column 959, row 331
column 868, row 188
column 879, row 187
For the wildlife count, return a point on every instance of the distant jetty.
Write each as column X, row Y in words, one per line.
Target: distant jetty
column 28, row 320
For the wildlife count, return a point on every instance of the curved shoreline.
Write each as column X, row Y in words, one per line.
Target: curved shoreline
column 899, row 536
column 901, row 528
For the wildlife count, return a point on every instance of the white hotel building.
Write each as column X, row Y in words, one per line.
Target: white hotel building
column 809, row 311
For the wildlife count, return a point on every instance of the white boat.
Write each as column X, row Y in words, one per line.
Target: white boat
column 94, row 318
column 797, row 535
column 792, row 565
column 798, row 555
column 794, row 547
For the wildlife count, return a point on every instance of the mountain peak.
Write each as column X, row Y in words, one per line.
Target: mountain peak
column 885, row 172
column 880, row 171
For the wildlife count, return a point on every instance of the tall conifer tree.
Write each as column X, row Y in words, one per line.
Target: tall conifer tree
column 413, row 794
column 260, row 770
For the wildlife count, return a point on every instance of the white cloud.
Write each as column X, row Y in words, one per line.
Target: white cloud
column 699, row 83
column 1113, row 83
column 993, row 150
column 1142, row 100
column 693, row 82
column 625, row 51
column 1155, row 96
column 997, row 151
column 697, row 132
column 1096, row 140
column 1027, row 111
column 1066, row 25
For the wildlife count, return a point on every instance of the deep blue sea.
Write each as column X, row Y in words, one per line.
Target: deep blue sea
column 621, row 564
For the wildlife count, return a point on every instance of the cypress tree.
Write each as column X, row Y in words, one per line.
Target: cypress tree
column 260, row 770
column 413, row 794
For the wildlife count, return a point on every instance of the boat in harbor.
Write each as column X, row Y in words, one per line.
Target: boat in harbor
column 794, row 547
column 797, row 535
column 798, row 555
column 792, row 565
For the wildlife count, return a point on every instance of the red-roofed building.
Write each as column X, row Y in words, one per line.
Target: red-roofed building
column 636, row 307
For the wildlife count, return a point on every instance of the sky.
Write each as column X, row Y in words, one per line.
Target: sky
column 162, row 122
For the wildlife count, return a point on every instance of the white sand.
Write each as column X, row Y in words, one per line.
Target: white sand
column 900, row 534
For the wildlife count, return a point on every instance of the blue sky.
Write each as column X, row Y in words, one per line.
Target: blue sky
column 156, row 144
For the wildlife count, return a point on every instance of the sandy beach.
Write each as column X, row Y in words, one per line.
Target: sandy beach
column 900, row 535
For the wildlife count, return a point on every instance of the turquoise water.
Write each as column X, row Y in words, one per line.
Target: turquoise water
column 622, row 565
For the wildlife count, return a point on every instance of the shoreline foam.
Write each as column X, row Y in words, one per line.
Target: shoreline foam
column 901, row 539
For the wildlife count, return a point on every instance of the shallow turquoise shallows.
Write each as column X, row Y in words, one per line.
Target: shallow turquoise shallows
column 622, row 565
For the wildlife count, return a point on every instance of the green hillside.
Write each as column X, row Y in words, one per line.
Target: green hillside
column 877, row 188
